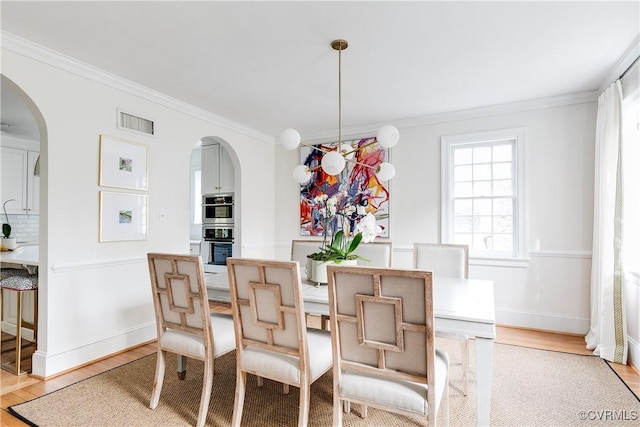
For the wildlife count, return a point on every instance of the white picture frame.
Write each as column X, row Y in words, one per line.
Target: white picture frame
column 123, row 164
column 123, row 217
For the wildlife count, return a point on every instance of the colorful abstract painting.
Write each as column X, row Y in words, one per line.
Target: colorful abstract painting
column 357, row 186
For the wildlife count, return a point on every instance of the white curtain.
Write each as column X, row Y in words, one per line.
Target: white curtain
column 608, row 332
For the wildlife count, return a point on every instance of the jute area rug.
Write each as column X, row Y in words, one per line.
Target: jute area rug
column 529, row 388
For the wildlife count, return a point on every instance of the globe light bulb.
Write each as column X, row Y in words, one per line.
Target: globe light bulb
column 388, row 136
column 289, row 139
column 385, row 171
column 301, row 174
column 333, row 163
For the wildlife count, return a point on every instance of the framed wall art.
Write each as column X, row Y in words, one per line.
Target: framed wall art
column 123, row 164
column 356, row 191
column 122, row 217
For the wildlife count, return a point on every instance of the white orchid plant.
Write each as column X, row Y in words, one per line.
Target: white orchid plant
column 338, row 215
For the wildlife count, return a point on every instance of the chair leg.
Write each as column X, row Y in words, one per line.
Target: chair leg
column 181, row 367
column 205, row 396
column 19, row 334
column 159, row 379
column 238, row 403
column 364, row 410
column 305, row 400
column 347, row 406
column 285, row 388
column 464, row 351
column 260, row 381
column 445, row 398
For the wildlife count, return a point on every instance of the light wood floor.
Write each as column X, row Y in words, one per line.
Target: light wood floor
column 16, row 389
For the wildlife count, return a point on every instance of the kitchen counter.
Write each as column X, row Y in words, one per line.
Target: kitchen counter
column 24, row 255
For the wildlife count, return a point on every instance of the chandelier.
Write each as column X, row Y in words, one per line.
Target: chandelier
column 337, row 154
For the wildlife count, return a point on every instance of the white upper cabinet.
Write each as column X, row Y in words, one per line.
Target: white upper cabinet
column 217, row 170
column 18, row 181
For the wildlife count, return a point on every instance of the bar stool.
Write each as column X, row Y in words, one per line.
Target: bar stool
column 20, row 281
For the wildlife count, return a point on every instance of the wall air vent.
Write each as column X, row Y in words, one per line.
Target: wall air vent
column 135, row 123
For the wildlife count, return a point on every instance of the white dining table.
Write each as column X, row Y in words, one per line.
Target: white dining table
column 461, row 306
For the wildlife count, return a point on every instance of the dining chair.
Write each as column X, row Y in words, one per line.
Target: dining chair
column 273, row 340
column 185, row 325
column 384, row 354
column 447, row 260
column 378, row 254
column 301, row 248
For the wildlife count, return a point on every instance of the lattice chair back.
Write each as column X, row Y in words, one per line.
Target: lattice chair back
column 382, row 328
column 273, row 340
column 180, row 298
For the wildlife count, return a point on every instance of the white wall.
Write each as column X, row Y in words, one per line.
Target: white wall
column 552, row 290
column 95, row 297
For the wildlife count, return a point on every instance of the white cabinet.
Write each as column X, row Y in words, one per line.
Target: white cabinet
column 217, row 170
column 18, row 181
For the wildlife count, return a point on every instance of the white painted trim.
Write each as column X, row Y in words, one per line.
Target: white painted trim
column 633, row 277
column 47, row 56
column 542, row 321
column 633, row 355
column 559, row 254
column 48, row 364
column 472, row 113
column 63, row 268
column 519, row 174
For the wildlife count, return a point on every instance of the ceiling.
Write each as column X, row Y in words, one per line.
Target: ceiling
column 269, row 65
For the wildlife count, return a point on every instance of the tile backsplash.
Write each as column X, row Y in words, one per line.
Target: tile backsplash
column 25, row 228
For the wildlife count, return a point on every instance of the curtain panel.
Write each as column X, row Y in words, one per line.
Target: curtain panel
column 607, row 336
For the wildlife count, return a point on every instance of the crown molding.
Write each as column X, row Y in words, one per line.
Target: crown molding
column 473, row 113
column 39, row 53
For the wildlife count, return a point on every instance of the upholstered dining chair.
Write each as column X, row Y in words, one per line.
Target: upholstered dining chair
column 301, row 248
column 185, row 324
column 447, row 260
column 271, row 333
column 378, row 254
column 384, row 352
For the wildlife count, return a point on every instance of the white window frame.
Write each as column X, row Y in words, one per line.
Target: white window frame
column 519, row 256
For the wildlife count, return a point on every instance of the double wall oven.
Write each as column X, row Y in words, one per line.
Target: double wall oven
column 217, row 230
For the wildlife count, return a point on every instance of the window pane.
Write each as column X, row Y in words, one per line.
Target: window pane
column 503, row 224
column 482, row 207
column 462, row 156
column 463, row 224
column 462, row 173
column 502, row 153
column 502, row 243
column 462, row 189
column 482, row 224
column 463, row 238
column 482, row 242
column 502, row 187
column 481, row 172
column 502, row 207
column 482, row 155
column 482, row 188
column 462, row 207
column 502, row 170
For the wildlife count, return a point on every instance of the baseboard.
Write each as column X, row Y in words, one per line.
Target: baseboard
column 45, row 365
column 633, row 354
column 542, row 321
